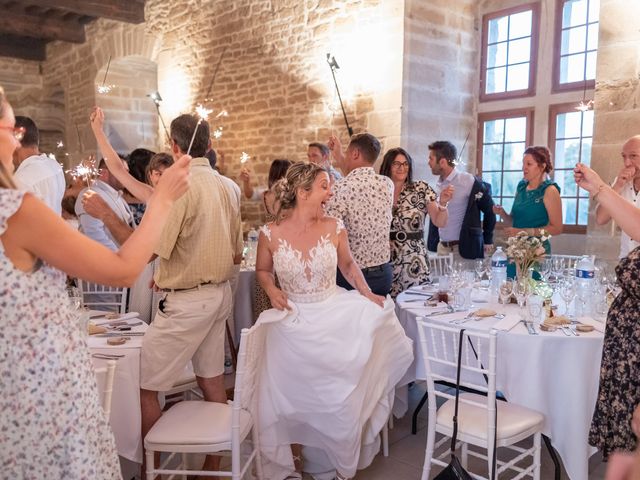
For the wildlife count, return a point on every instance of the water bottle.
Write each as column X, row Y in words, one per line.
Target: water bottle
column 252, row 239
column 585, row 286
column 498, row 271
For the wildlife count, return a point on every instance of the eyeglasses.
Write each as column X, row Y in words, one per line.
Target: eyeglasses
column 399, row 165
column 18, row 132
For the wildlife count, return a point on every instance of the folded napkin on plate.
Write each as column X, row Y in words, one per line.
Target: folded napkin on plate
column 105, row 321
column 507, row 323
column 596, row 324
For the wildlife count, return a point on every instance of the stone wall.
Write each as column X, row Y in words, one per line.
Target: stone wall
column 273, row 79
column 617, row 98
column 439, row 81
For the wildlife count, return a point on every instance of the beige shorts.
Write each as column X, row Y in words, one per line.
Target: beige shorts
column 190, row 327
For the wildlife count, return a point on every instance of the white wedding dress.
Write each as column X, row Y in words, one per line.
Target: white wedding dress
column 330, row 365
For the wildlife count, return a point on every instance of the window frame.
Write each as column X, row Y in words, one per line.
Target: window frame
column 533, row 59
column 527, row 112
column 556, row 86
column 554, row 110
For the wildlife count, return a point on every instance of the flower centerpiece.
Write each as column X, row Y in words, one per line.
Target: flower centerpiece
column 525, row 251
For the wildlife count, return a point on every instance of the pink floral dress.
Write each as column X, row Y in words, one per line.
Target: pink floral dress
column 51, row 421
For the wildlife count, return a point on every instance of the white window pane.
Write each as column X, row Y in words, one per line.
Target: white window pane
column 492, row 157
column 587, row 123
column 574, row 13
column 520, row 24
column 583, row 211
column 497, row 55
column 498, row 29
column 574, row 40
column 592, row 40
column 591, row 65
column 568, row 125
column 564, row 179
column 572, row 68
column 495, row 180
column 520, row 50
column 510, row 182
column 586, row 151
column 496, row 80
column 518, row 77
column 513, row 156
column 494, row 131
column 594, row 10
column 567, row 153
column 569, row 211
column 515, row 129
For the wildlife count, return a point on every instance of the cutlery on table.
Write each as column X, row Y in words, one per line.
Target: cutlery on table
column 106, row 356
column 120, row 334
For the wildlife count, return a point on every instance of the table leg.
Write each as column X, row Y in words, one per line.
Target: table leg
column 554, row 457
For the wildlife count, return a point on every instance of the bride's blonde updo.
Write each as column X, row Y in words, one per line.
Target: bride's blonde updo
column 299, row 175
column 5, row 177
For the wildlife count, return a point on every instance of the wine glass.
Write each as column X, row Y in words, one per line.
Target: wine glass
column 520, row 290
column 567, row 293
column 557, row 265
column 545, row 269
column 506, row 289
column 479, row 268
column 75, row 297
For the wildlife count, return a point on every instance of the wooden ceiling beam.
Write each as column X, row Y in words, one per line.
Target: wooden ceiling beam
column 26, row 48
column 130, row 11
column 40, row 27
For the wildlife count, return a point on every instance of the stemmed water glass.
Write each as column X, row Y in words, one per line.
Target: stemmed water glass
column 479, row 268
column 75, row 297
column 545, row 269
column 520, row 290
column 506, row 289
column 557, row 266
column 534, row 307
column 567, row 293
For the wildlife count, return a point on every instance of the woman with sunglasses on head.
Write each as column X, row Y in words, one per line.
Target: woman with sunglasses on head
column 51, row 418
column 412, row 202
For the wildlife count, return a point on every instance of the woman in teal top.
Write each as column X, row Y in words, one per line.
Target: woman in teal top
column 537, row 205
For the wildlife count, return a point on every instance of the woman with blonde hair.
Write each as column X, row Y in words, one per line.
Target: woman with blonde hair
column 333, row 357
column 51, row 418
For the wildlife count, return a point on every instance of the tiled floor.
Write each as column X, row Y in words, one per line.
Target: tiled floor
column 406, row 453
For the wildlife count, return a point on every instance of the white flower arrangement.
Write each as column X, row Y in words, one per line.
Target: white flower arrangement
column 525, row 250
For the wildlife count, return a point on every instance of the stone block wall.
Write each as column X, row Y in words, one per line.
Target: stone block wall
column 441, row 59
column 617, row 117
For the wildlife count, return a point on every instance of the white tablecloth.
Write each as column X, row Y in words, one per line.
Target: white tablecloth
column 125, row 402
column 550, row 372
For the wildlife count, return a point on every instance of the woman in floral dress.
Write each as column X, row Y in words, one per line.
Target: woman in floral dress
column 619, row 389
column 412, row 201
column 51, row 421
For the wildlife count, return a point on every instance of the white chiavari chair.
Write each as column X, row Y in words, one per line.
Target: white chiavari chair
column 480, row 417
column 208, row 427
column 102, row 297
column 108, row 373
column 439, row 265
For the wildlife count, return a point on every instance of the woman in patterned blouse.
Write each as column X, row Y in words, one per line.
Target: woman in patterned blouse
column 412, row 201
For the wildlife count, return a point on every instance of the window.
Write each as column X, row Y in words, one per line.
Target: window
column 576, row 44
column 503, row 137
column 509, row 53
column 570, row 133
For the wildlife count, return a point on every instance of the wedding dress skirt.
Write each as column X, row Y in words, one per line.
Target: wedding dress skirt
column 328, row 379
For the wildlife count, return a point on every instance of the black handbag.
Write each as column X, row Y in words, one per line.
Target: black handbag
column 455, row 470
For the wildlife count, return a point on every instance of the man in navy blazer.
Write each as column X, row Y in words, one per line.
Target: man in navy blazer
column 467, row 233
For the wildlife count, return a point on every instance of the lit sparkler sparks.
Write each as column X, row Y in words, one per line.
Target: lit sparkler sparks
column 85, row 170
column 104, row 88
column 60, row 144
column 584, row 106
column 203, row 113
column 217, row 133
column 244, row 158
column 222, row 113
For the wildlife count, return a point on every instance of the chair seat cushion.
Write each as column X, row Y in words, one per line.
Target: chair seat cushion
column 472, row 420
column 197, row 423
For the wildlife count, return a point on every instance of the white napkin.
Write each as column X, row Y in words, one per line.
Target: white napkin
column 126, row 316
column 507, row 323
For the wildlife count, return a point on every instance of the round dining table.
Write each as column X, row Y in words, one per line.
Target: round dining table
column 555, row 373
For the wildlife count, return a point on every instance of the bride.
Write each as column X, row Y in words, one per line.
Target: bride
column 332, row 357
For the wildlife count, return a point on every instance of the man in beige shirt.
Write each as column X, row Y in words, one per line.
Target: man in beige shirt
column 196, row 252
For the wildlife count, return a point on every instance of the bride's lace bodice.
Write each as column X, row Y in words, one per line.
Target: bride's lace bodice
column 308, row 277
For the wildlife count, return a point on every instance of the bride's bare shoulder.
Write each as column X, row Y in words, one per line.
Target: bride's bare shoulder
column 333, row 224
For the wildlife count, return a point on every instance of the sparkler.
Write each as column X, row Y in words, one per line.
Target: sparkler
column 244, row 158
column 155, row 96
column 203, row 113
column 86, row 172
column 217, row 133
column 333, row 65
column 60, row 144
column 104, row 88
column 80, row 144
